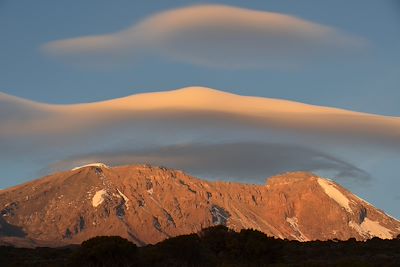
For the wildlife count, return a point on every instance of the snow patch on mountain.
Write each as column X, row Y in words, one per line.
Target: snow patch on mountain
column 219, row 215
column 331, row 190
column 376, row 229
column 126, row 199
column 294, row 224
column 96, row 164
column 371, row 228
column 98, row 198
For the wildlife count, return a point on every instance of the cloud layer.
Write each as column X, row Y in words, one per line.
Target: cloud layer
column 192, row 110
column 207, row 132
column 245, row 162
column 212, row 35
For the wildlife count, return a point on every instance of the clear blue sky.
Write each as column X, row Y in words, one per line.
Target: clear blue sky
column 367, row 81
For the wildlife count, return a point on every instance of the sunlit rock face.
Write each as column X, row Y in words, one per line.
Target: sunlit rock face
column 147, row 204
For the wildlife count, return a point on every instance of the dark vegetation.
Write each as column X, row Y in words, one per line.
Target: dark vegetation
column 215, row 246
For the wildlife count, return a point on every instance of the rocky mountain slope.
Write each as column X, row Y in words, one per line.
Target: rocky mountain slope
column 147, row 204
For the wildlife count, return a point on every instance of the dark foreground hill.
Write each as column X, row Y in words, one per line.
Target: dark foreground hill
column 215, row 246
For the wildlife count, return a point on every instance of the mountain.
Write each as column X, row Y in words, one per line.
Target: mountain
column 147, row 204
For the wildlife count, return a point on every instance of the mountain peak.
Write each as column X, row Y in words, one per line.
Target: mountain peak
column 147, row 204
column 291, row 177
column 94, row 164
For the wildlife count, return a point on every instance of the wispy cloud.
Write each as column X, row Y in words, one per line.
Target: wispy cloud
column 212, row 35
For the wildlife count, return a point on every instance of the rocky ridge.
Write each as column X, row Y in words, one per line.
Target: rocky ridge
column 147, row 204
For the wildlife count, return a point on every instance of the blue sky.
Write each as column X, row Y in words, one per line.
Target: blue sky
column 363, row 78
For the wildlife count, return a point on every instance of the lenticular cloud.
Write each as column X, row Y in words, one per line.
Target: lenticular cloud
column 212, row 35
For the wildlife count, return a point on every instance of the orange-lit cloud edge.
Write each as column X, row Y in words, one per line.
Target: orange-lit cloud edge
column 181, row 104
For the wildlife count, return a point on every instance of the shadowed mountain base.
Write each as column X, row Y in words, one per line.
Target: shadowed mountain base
column 214, row 246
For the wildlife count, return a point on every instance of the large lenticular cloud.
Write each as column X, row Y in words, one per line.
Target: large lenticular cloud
column 194, row 110
column 201, row 130
column 212, row 35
